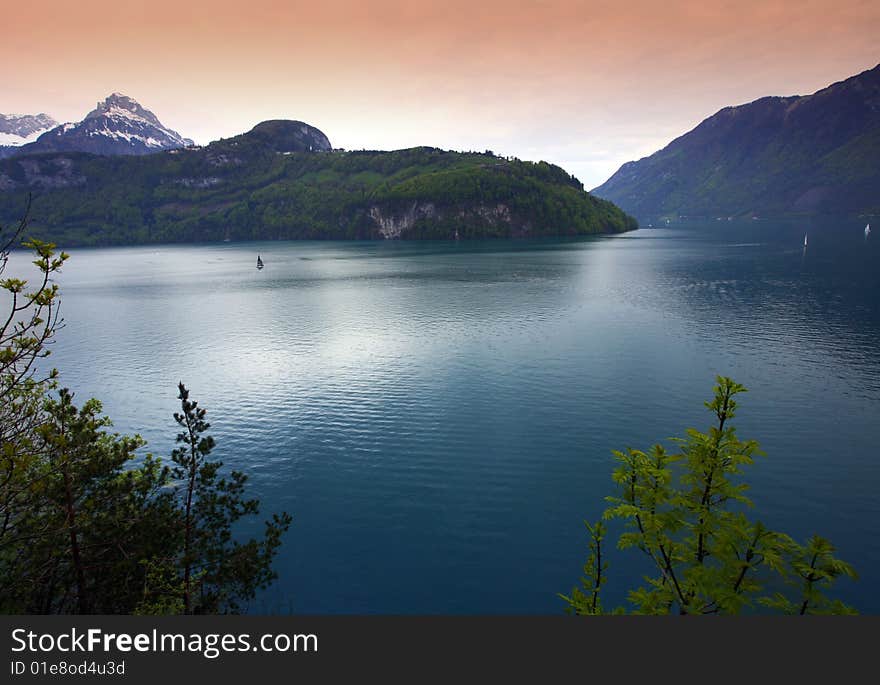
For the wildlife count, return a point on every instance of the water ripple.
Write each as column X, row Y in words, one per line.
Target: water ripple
column 439, row 418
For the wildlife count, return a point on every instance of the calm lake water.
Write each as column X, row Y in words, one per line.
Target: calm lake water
column 439, row 417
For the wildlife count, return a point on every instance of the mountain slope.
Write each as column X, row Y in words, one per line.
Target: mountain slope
column 281, row 135
column 778, row 156
column 20, row 129
column 118, row 125
column 282, row 181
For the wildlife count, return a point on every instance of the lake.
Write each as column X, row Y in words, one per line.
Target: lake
column 439, row 417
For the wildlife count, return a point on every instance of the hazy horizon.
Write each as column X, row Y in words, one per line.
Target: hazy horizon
column 587, row 86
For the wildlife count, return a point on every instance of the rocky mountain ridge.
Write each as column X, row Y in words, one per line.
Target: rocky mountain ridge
column 776, row 156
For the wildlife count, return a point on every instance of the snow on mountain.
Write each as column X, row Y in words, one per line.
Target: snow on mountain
column 21, row 129
column 118, row 125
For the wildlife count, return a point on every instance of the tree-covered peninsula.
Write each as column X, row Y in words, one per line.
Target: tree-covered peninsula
column 276, row 183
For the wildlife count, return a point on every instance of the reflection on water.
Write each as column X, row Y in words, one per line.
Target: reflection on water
column 439, row 417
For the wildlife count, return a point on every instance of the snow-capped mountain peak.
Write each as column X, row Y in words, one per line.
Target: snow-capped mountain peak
column 119, row 125
column 119, row 105
column 21, row 129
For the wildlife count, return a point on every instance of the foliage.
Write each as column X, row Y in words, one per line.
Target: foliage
column 218, row 573
column 96, row 528
column 686, row 512
column 84, row 517
column 32, row 320
column 243, row 189
column 26, row 330
column 88, row 524
column 588, row 601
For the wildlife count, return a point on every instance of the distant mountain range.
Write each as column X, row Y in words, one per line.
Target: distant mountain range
column 283, row 180
column 777, row 156
column 20, row 129
column 118, row 125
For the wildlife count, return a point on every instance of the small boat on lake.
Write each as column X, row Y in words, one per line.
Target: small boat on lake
column 259, row 262
column 805, row 239
column 867, row 230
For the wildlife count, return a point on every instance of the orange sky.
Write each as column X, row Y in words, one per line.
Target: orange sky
column 587, row 85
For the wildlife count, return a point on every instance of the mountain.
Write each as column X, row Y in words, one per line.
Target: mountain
column 117, row 126
column 281, row 135
column 20, row 129
column 777, row 156
column 282, row 180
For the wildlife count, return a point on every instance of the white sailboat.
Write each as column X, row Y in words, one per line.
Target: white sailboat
column 867, row 230
column 805, row 239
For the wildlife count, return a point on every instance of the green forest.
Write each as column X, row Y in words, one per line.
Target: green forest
column 250, row 188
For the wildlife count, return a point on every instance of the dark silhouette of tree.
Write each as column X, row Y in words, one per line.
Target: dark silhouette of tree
column 219, row 573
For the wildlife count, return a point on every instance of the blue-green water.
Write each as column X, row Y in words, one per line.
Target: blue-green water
column 439, row 417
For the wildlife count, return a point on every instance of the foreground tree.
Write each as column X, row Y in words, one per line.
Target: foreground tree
column 216, row 573
column 88, row 523
column 93, row 511
column 32, row 318
column 28, row 323
column 685, row 512
column 100, row 528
